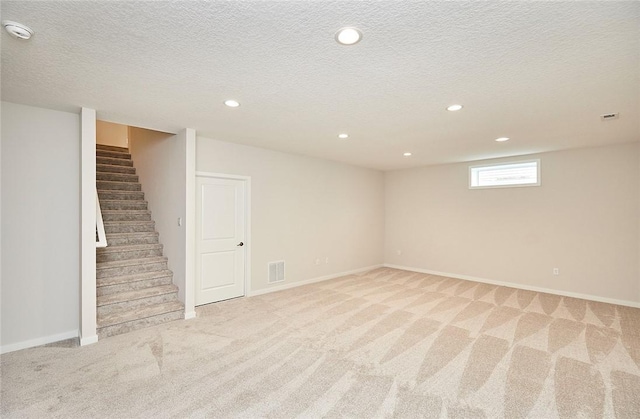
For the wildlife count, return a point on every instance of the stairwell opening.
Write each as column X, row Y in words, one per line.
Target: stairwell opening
column 137, row 280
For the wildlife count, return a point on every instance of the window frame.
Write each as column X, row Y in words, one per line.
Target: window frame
column 506, row 163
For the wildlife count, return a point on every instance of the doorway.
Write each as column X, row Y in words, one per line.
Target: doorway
column 222, row 232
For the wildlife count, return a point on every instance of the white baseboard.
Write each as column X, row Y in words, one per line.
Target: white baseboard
column 519, row 286
column 309, row 281
column 38, row 341
column 88, row 340
column 190, row 315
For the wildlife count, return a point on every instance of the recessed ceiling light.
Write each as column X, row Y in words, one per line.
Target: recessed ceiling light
column 454, row 108
column 348, row 36
column 343, row 136
column 17, row 30
column 407, row 154
column 232, row 103
column 502, row 139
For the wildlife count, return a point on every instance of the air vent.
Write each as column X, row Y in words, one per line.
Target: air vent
column 608, row 116
column 276, row 271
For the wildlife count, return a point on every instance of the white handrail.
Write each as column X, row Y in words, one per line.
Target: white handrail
column 101, row 236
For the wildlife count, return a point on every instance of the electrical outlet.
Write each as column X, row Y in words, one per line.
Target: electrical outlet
column 556, row 271
column 326, row 260
column 318, row 261
column 398, row 252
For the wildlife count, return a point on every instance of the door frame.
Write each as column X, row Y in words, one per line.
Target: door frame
column 247, row 223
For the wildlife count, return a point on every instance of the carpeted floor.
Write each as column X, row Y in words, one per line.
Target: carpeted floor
column 387, row 343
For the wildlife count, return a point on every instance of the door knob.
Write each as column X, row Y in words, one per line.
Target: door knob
column 240, row 244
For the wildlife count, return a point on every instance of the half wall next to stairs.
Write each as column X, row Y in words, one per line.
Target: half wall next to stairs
column 162, row 163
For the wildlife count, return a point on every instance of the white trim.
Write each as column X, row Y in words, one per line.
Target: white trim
column 88, row 340
column 190, row 315
column 247, row 223
column 520, row 286
column 88, row 225
column 506, row 163
column 247, row 233
column 39, row 341
column 311, row 281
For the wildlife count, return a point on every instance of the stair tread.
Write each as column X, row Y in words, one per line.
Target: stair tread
column 138, row 313
column 116, row 191
column 130, row 262
column 122, row 193
column 115, row 169
column 107, row 147
column 123, row 177
column 136, row 294
column 129, row 222
column 114, row 157
column 114, row 181
column 123, row 279
column 116, row 204
column 108, row 153
column 129, row 247
column 126, row 211
column 138, row 234
column 121, row 201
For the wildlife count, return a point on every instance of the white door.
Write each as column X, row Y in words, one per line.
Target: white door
column 220, row 237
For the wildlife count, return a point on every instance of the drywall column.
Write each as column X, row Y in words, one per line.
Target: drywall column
column 0, row 225
column 189, row 138
column 88, row 228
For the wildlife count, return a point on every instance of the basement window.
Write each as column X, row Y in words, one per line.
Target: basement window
column 505, row 175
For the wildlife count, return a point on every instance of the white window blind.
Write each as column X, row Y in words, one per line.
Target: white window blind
column 524, row 173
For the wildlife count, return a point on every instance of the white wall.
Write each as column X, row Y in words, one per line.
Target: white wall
column 108, row 133
column 583, row 219
column 160, row 161
column 40, row 226
column 303, row 209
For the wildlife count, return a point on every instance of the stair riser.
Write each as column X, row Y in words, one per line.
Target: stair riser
column 126, row 255
column 114, row 162
column 130, row 270
column 112, row 148
column 107, row 168
column 148, row 227
column 132, row 286
column 139, row 324
column 124, row 216
column 136, row 304
column 117, row 186
column 117, row 177
column 112, row 154
column 137, row 239
column 126, row 196
column 105, row 205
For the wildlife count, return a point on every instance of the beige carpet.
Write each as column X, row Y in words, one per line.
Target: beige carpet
column 387, row 343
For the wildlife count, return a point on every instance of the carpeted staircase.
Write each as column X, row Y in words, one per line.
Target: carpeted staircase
column 134, row 285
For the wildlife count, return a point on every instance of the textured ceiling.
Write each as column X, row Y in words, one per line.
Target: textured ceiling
column 538, row 72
